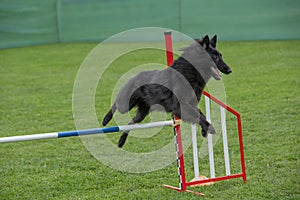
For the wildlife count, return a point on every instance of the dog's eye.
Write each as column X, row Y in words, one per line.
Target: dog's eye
column 215, row 57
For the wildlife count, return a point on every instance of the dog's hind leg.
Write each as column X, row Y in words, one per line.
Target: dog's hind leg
column 141, row 113
column 109, row 115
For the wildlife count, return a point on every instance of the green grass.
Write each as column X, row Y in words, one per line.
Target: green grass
column 36, row 86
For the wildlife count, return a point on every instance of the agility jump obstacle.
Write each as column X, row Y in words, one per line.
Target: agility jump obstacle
column 199, row 180
column 88, row 131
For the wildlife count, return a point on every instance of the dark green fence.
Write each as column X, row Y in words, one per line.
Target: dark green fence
column 26, row 22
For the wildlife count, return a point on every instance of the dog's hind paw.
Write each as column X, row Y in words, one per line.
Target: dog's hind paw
column 122, row 140
column 105, row 121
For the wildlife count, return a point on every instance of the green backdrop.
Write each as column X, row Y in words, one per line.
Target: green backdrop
column 27, row 22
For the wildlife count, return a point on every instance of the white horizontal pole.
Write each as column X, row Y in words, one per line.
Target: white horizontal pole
column 28, row 137
column 147, row 125
column 88, row 131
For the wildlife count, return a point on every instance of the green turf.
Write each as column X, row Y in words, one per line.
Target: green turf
column 36, row 86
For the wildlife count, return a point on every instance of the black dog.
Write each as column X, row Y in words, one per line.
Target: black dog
column 177, row 88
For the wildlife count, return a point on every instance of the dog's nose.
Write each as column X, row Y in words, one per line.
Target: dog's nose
column 229, row 71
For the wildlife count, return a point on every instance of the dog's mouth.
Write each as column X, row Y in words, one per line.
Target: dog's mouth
column 216, row 74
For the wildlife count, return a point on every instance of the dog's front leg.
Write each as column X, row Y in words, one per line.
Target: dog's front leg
column 192, row 114
column 205, row 125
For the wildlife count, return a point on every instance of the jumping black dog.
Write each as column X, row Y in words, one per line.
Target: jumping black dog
column 177, row 89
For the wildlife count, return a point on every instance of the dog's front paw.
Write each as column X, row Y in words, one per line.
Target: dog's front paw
column 204, row 133
column 210, row 129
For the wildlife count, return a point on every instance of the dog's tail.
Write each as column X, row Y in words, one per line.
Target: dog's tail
column 109, row 115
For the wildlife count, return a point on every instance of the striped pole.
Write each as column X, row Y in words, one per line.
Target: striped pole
column 177, row 130
column 88, row 131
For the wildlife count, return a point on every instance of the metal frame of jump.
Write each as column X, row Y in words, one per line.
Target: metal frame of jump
column 178, row 141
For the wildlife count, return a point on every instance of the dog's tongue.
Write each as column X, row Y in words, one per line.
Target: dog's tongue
column 216, row 73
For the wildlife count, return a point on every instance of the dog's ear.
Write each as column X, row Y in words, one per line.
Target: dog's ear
column 213, row 41
column 205, row 42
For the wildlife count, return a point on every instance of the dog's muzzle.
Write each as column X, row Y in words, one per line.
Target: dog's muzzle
column 228, row 71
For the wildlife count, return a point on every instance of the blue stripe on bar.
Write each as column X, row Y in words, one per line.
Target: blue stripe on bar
column 88, row 131
column 67, row 134
column 111, row 129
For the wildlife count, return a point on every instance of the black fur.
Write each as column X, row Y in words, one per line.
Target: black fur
column 177, row 89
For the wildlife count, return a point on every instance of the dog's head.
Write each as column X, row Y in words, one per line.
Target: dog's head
column 210, row 47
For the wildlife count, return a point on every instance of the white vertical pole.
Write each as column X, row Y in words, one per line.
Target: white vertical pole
column 209, row 139
column 225, row 143
column 195, row 151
